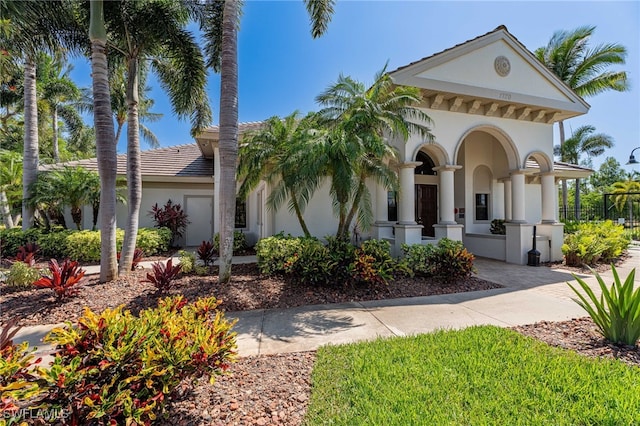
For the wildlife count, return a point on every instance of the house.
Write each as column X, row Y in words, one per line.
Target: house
column 493, row 105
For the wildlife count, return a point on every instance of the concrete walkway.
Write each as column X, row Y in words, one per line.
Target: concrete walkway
column 529, row 295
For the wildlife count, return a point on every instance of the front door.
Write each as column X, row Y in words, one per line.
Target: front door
column 200, row 212
column 427, row 208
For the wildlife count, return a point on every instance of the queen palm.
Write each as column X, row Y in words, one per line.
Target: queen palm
column 220, row 24
column 34, row 27
column 285, row 154
column 361, row 119
column 105, row 142
column 152, row 34
column 585, row 70
column 583, row 141
column 624, row 193
column 59, row 97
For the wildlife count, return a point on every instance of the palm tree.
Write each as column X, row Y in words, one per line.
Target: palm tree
column 583, row 141
column 220, row 24
column 59, row 97
column 361, row 119
column 625, row 192
column 152, row 34
column 105, row 142
column 34, row 27
column 284, row 153
column 583, row 69
column 10, row 188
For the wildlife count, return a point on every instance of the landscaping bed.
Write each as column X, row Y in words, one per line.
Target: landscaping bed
column 247, row 290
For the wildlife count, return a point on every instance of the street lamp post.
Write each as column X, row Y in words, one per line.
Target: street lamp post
column 632, row 159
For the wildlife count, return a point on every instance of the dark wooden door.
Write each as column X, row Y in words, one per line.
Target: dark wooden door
column 427, row 208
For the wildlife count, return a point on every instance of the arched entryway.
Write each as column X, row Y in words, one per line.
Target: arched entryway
column 426, row 190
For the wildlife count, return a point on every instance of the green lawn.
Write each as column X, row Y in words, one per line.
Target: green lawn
column 477, row 376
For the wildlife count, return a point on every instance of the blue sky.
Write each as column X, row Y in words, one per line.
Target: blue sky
column 282, row 69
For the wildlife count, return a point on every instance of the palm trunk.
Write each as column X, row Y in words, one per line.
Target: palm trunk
column 296, row 208
column 105, row 144
column 565, row 201
column 5, row 210
column 228, row 135
column 134, row 177
column 30, row 153
column 118, row 132
column 354, row 207
column 54, row 139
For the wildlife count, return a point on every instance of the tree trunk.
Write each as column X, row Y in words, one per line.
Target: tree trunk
column 134, row 177
column 565, row 201
column 228, row 135
column 5, row 210
column 296, row 208
column 30, row 153
column 354, row 208
column 54, row 139
column 105, row 144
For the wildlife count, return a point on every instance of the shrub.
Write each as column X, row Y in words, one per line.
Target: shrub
column 312, row 263
column 497, row 227
column 17, row 380
column 53, row 243
column 363, row 269
column 63, row 279
column 273, row 252
column 187, row 261
column 617, row 311
column 138, row 255
column 593, row 242
column 163, row 275
column 451, row 261
column 154, row 240
column 448, row 261
column 13, row 238
column 239, row 242
column 170, row 216
column 417, row 258
column 384, row 263
column 21, row 275
column 116, row 368
column 206, row 253
column 27, row 253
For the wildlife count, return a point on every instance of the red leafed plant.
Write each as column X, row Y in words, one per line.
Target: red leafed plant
column 63, row 278
column 163, row 275
column 27, row 253
column 206, row 253
column 138, row 255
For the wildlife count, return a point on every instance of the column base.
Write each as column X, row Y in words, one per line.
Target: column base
column 555, row 233
column 519, row 240
column 407, row 234
column 382, row 229
column 450, row 231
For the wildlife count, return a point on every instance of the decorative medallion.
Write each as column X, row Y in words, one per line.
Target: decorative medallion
column 502, row 66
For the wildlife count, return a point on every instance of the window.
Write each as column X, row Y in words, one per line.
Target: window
column 241, row 213
column 482, row 206
column 392, row 206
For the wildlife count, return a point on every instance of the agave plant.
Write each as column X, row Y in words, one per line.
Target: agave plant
column 617, row 311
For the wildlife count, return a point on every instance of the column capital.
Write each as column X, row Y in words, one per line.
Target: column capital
column 517, row 172
column 409, row 165
column 447, row 168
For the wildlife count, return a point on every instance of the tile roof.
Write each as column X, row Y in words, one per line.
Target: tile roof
column 180, row 161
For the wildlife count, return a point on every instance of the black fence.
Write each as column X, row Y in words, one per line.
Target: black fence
column 620, row 208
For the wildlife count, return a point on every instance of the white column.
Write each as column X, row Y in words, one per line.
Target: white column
column 507, row 200
column 517, row 196
column 446, row 193
column 216, row 190
column 381, row 204
column 407, row 207
column 549, row 196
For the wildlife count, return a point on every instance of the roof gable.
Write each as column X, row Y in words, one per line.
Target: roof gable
column 493, row 67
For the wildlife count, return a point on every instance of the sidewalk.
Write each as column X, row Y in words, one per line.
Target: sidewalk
column 529, row 295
